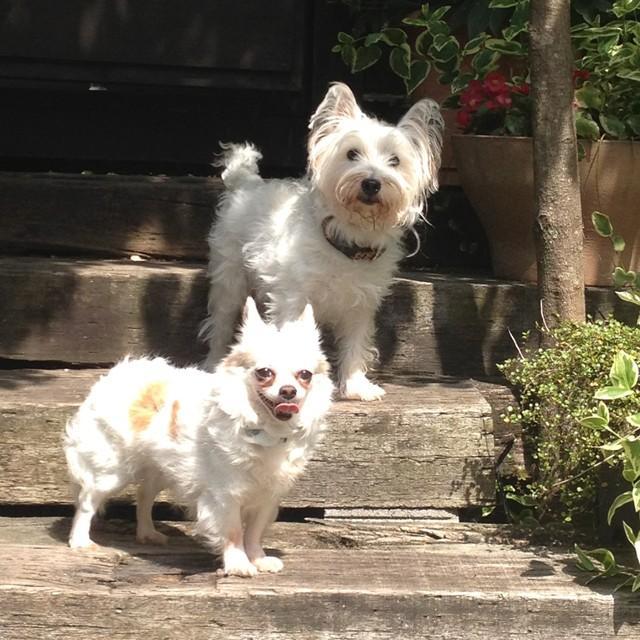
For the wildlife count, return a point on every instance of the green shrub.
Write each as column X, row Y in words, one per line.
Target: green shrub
column 556, row 388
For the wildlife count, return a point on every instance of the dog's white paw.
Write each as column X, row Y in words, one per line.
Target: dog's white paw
column 268, row 564
column 83, row 544
column 359, row 388
column 151, row 537
column 236, row 563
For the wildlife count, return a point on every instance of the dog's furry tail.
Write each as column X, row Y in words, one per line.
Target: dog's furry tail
column 240, row 162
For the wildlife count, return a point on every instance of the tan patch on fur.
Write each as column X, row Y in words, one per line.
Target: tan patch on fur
column 147, row 405
column 238, row 359
column 173, row 424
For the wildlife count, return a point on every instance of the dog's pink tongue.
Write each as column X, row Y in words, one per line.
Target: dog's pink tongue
column 287, row 408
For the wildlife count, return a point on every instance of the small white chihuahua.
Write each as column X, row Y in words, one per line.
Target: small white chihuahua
column 333, row 239
column 228, row 444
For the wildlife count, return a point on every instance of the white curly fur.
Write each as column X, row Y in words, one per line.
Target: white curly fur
column 268, row 237
column 229, row 444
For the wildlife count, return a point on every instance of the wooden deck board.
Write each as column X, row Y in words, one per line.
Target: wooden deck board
column 450, row 590
column 423, row 446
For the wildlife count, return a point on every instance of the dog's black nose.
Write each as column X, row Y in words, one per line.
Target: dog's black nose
column 370, row 186
column 288, row 392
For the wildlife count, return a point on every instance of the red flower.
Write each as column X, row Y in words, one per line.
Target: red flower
column 463, row 118
column 580, row 74
column 473, row 96
column 494, row 83
column 503, row 100
column 491, row 105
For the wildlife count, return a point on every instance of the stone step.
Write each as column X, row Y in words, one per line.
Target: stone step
column 97, row 311
column 427, row 444
column 338, row 583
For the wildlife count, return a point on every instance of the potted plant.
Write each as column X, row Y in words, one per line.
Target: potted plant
column 493, row 153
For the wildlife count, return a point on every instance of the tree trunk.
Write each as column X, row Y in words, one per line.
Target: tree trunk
column 558, row 227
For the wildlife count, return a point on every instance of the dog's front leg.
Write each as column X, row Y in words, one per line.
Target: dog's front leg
column 220, row 522
column 354, row 338
column 256, row 523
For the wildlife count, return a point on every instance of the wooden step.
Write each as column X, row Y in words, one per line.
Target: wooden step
column 336, row 585
column 88, row 311
column 109, row 215
column 427, row 444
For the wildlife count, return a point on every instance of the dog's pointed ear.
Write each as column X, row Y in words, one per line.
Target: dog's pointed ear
column 307, row 319
column 251, row 316
column 423, row 125
column 338, row 104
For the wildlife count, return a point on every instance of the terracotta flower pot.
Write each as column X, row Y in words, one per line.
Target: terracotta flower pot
column 496, row 174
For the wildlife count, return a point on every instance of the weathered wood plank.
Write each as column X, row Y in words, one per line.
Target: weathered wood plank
column 108, row 215
column 98, row 311
column 446, row 591
column 423, row 446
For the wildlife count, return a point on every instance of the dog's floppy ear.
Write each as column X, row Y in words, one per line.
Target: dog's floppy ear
column 423, row 125
column 339, row 103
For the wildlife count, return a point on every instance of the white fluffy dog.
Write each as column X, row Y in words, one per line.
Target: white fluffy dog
column 228, row 444
column 334, row 238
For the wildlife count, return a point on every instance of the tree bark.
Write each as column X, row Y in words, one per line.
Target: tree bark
column 558, row 225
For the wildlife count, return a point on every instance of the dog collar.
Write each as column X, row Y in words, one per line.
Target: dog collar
column 262, row 438
column 351, row 250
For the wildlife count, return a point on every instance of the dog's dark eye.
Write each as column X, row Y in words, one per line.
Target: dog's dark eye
column 352, row 154
column 264, row 374
column 304, row 376
column 394, row 161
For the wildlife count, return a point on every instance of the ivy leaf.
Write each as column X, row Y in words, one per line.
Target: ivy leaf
column 399, row 61
column 612, row 446
column 590, row 97
column 622, row 7
column 636, row 583
column 634, row 420
column 633, row 122
column 344, row 38
column 365, row 57
column 503, row 4
column 348, row 54
column 613, row 126
column 603, row 411
column 474, row 45
column 508, row 47
column 419, row 72
column 372, row 38
column 586, row 127
column 622, row 277
column 618, row 244
column 629, row 75
column 631, row 536
column 485, row 61
column 602, row 224
column 620, row 501
column 394, row 37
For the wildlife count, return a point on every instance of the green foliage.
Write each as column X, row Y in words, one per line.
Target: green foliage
column 605, row 37
column 557, row 388
column 622, row 449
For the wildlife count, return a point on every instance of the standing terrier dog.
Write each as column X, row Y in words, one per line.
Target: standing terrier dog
column 334, row 238
column 228, row 444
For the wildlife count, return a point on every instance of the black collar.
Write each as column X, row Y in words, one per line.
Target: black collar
column 351, row 250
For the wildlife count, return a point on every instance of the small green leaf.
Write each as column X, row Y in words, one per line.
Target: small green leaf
column 586, row 127
column 503, row 4
column 584, row 562
column 618, row 243
column 474, row 45
column 634, row 420
column 620, row 501
column 419, row 72
column 635, row 492
column 508, row 47
column 629, row 296
column 415, row 22
column 348, row 54
column 365, row 57
column 590, row 97
column 344, row 38
column 622, row 277
column 633, row 122
column 484, row 61
column 394, row 37
column 612, row 393
column 629, row 75
column 372, row 38
column 636, row 584
column 602, row 224
column 596, row 423
column 631, row 536
column 399, row 61
column 624, row 371
column 603, row 411
column 612, row 446
column 613, row 126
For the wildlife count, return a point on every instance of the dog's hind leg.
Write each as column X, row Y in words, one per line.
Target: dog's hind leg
column 147, row 490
